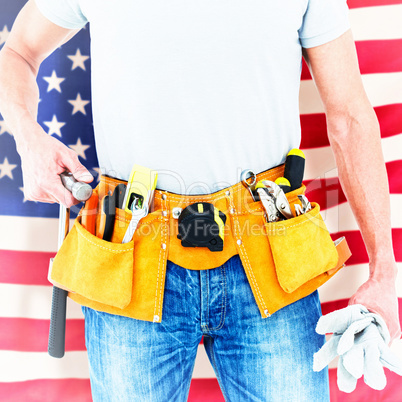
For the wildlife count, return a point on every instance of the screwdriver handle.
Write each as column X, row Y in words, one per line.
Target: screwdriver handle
column 294, row 168
column 283, row 183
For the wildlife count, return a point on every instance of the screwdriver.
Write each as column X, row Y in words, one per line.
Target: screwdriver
column 294, row 168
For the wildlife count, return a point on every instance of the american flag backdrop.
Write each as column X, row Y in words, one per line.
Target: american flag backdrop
column 28, row 230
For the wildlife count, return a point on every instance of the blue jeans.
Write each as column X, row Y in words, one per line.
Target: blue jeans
column 254, row 358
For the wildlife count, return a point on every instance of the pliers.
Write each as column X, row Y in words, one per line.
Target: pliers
column 274, row 201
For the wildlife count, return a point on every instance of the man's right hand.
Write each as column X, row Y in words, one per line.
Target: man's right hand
column 32, row 38
column 43, row 160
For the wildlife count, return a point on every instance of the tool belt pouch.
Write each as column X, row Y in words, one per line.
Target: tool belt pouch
column 302, row 248
column 99, row 270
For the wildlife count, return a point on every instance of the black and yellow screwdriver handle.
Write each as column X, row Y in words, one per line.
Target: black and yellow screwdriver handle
column 283, row 183
column 294, row 168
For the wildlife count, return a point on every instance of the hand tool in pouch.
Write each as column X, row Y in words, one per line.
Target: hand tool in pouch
column 138, row 197
column 107, row 216
column 88, row 215
column 305, row 205
column 294, row 168
column 80, row 191
column 274, row 200
column 118, row 196
column 108, row 206
column 249, row 179
column 57, row 330
column 283, row 183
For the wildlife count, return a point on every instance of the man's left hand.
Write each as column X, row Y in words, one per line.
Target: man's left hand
column 378, row 295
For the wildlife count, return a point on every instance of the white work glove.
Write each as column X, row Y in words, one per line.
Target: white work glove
column 360, row 338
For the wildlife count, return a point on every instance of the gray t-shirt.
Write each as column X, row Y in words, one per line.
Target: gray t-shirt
column 198, row 90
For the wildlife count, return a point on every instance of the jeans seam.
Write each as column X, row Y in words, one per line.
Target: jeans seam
column 207, row 305
column 204, row 327
column 207, row 312
column 223, row 309
column 218, row 377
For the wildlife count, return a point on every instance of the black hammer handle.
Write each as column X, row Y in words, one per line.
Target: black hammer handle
column 57, row 330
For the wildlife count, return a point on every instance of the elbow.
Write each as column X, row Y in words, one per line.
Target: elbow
column 13, row 55
column 348, row 124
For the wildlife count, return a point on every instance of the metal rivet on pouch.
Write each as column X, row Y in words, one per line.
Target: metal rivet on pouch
column 232, row 211
column 156, row 318
column 163, row 245
column 164, row 196
column 227, row 192
column 239, row 242
column 266, row 312
column 176, row 212
column 164, row 213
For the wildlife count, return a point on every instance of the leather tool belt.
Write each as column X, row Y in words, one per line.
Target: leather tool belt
column 284, row 261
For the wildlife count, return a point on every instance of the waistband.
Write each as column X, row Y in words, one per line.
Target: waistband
column 235, row 199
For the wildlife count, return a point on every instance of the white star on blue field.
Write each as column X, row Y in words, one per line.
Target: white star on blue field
column 64, row 112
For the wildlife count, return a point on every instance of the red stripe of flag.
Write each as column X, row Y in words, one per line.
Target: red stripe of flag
column 314, row 126
column 328, row 192
column 14, row 330
column 371, row 3
column 329, row 307
column 79, row 390
column 380, row 56
column 24, row 267
column 19, row 274
column 201, row 389
column 375, row 56
column 31, row 335
column 359, row 253
column 205, row 389
column 70, row 389
column 391, row 393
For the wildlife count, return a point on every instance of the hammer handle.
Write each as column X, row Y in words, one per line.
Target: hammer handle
column 57, row 330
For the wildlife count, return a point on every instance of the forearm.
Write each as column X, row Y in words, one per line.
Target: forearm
column 19, row 95
column 356, row 142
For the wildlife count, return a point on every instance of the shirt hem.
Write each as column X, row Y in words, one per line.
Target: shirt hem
column 56, row 20
column 325, row 37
